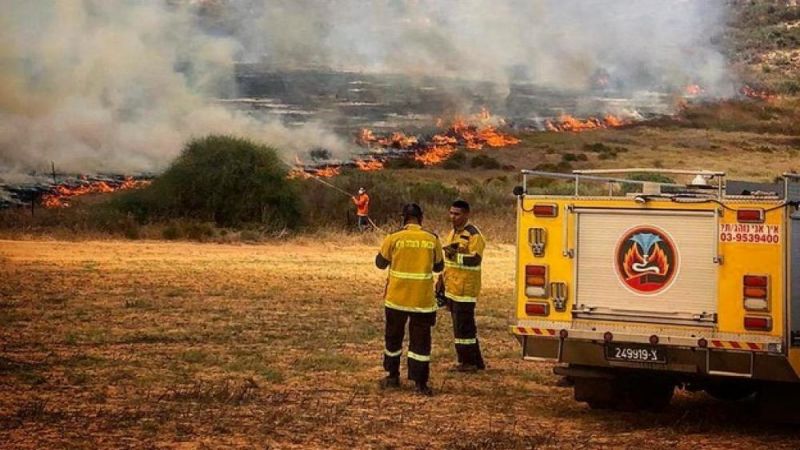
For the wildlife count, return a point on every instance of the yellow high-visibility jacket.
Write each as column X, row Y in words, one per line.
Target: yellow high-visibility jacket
column 412, row 255
column 462, row 272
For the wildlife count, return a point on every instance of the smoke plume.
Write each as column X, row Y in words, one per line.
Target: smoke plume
column 119, row 85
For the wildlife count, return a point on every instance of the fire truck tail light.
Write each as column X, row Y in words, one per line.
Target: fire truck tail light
column 755, row 280
column 757, row 323
column 537, row 309
column 755, row 290
column 545, row 210
column 535, row 270
column 533, row 291
column 536, row 281
column 756, row 304
column 750, row 215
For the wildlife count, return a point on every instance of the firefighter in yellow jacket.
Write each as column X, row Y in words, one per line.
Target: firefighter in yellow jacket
column 463, row 249
column 412, row 255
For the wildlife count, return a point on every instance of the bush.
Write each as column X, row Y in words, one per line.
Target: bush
column 171, row 232
column 571, row 157
column 221, row 179
column 653, row 177
column 405, row 162
column 455, row 162
column 485, row 161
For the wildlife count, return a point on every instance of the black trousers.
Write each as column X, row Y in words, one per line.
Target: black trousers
column 419, row 343
column 465, row 333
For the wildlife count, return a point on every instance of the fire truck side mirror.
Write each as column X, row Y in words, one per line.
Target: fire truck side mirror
column 519, row 191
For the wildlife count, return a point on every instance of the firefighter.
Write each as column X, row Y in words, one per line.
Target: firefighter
column 463, row 250
column 362, row 208
column 412, row 255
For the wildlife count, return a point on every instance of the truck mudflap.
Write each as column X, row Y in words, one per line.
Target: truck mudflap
column 682, row 361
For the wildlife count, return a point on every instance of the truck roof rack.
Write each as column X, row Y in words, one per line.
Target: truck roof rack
column 649, row 187
column 788, row 190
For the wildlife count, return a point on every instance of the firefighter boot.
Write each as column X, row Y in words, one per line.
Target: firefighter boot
column 424, row 389
column 390, row 382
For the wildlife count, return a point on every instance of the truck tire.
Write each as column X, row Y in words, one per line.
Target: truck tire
column 625, row 393
column 729, row 391
column 777, row 402
column 598, row 393
column 642, row 394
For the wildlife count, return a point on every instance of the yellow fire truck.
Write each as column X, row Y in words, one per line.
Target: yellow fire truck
column 635, row 293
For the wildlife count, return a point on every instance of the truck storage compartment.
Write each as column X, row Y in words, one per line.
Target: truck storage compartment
column 646, row 266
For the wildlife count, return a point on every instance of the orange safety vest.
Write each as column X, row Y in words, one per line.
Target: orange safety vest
column 362, row 205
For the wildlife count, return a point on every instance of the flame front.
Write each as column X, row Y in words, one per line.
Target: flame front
column 472, row 133
column 572, row 124
column 758, row 94
column 61, row 194
column 369, row 165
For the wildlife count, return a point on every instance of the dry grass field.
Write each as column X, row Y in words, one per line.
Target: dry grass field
column 186, row 345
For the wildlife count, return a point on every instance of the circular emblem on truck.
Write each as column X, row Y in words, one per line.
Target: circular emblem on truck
column 646, row 260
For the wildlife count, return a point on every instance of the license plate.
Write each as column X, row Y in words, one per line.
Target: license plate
column 635, row 353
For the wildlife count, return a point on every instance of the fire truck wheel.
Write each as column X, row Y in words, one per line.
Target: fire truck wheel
column 777, row 402
column 598, row 393
column 728, row 391
column 648, row 394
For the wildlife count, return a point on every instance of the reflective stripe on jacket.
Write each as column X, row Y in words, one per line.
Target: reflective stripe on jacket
column 412, row 253
column 462, row 273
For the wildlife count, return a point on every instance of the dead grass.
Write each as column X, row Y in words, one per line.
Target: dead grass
column 279, row 346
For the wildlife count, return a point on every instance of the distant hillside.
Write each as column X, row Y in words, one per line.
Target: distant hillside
column 762, row 41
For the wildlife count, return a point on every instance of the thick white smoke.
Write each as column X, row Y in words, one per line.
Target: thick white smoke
column 560, row 43
column 119, row 85
column 98, row 85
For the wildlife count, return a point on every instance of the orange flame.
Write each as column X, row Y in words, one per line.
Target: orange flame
column 569, row 123
column 693, row 89
column 758, row 94
column 327, row 172
column 61, row 195
column 369, row 165
column 435, row 154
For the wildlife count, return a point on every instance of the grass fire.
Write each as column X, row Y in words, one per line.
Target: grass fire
column 216, row 216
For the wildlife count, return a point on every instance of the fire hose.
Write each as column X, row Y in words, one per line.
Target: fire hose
column 333, row 186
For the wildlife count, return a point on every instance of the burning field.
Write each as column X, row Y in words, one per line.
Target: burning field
column 191, row 345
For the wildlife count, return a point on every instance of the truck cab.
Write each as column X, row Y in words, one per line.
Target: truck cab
column 636, row 287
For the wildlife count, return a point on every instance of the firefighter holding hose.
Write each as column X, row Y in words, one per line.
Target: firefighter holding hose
column 463, row 250
column 362, row 209
column 412, row 255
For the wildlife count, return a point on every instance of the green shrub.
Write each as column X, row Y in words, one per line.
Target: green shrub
column 485, row 161
column 221, row 179
column 405, row 162
column 171, row 232
column 199, row 231
column 456, row 161
column 571, row 157
column 653, row 177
